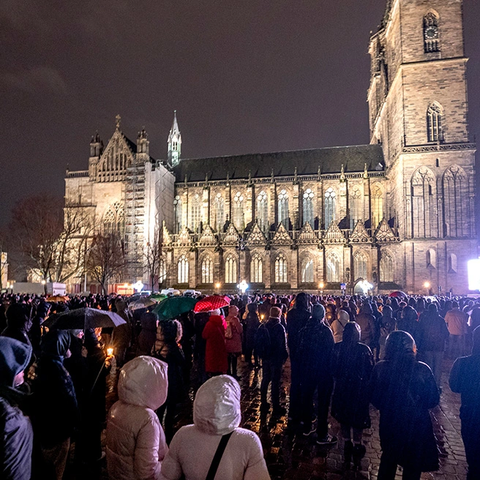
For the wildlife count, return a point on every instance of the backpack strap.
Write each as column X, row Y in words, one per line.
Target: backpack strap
column 218, row 456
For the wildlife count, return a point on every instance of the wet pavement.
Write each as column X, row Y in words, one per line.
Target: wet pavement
column 290, row 455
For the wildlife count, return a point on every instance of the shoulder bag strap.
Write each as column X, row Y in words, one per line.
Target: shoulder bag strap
column 218, row 456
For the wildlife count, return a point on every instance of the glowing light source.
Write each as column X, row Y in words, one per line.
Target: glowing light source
column 426, row 285
column 243, row 286
column 138, row 286
column 365, row 286
column 473, row 267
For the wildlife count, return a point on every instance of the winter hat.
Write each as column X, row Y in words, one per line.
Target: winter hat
column 399, row 344
column 14, row 358
column 318, row 312
column 343, row 316
column 351, row 333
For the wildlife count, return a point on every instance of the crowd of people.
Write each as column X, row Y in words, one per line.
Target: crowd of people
column 345, row 353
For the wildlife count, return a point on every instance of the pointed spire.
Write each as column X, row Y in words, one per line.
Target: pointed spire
column 319, row 172
column 273, row 177
column 174, row 142
column 206, row 181
column 365, row 172
column 118, row 119
column 342, row 173
column 295, row 176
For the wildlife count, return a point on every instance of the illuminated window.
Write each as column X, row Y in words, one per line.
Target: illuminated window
column 423, row 203
column 230, row 270
column 281, row 269
column 307, row 272
column 256, row 269
column 455, row 208
column 434, row 123
column 162, row 271
column 238, row 211
column 196, row 213
column 356, row 210
column 183, row 269
column 360, row 266
column 218, row 212
column 207, row 270
column 308, row 215
column 377, row 206
column 283, row 209
column 177, row 206
column 262, row 211
column 333, row 269
column 329, row 207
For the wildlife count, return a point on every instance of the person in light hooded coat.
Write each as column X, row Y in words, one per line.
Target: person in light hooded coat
column 216, row 412
column 136, row 442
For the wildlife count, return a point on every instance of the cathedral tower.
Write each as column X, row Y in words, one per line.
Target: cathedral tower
column 174, row 143
column 418, row 112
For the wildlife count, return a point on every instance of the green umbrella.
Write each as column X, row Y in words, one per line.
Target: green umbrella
column 173, row 307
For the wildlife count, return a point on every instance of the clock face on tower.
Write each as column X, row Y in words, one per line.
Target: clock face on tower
column 431, row 32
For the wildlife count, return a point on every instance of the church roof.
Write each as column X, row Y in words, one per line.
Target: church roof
column 306, row 162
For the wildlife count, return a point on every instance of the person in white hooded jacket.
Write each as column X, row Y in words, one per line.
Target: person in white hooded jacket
column 216, row 412
column 136, row 442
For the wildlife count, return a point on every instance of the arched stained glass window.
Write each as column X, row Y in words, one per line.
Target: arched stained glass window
column 230, row 270
column 329, row 207
column 207, row 270
column 177, row 206
column 238, row 212
column 434, row 123
column 387, row 272
column 356, row 210
column 183, row 269
column 218, row 212
column 377, row 206
column 307, row 271
column 281, row 269
column 333, row 268
column 455, row 207
column 283, row 216
column 196, row 213
column 308, row 214
column 256, row 269
column 360, row 265
column 423, row 204
column 262, row 211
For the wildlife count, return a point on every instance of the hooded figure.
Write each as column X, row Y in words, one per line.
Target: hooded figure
column 465, row 379
column 136, row 443
column 16, row 437
column 404, row 389
column 216, row 412
column 215, row 351
column 18, row 323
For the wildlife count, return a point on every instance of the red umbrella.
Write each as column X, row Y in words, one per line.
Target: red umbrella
column 211, row 303
column 398, row 294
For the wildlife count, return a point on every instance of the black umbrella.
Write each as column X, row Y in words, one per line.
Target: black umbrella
column 82, row 318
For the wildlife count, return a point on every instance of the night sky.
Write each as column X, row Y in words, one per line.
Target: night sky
column 244, row 76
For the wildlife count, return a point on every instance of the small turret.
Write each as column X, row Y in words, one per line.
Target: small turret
column 174, row 143
column 143, row 145
column 96, row 145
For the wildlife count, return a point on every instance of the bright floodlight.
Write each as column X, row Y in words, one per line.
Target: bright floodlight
column 365, row 286
column 243, row 286
column 474, row 274
column 138, row 286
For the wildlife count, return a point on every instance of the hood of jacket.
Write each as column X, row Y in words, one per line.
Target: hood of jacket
column 218, row 319
column 14, row 358
column 143, row 382
column 55, row 343
column 233, row 311
column 216, row 409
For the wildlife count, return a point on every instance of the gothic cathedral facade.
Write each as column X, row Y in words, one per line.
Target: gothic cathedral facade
column 398, row 213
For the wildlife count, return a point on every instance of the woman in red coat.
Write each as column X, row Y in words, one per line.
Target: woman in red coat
column 215, row 351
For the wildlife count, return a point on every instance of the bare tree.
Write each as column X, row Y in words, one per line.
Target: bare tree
column 153, row 257
column 48, row 238
column 106, row 258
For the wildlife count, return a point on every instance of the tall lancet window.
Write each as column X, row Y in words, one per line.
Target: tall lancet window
column 218, row 212
column 423, row 212
column 307, row 271
column 230, row 270
column 434, row 123
column 256, row 269
column 238, row 211
column 207, row 270
column 377, row 206
column 333, row 268
column 183, row 269
column 177, row 206
column 455, row 204
column 283, row 216
column 360, row 266
column 308, row 215
column 387, row 268
column 356, row 210
column 431, row 41
column 329, row 207
column 281, row 269
column 261, row 213
column 196, row 213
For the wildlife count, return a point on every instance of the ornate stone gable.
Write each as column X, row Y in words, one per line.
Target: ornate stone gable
column 384, row 233
column 307, row 236
column 282, row 237
column 257, row 237
column 184, row 238
column 360, row 234
column 231, row 236
column 116, row 158
column 208, row 238
column 334, row 235
column 167, row 238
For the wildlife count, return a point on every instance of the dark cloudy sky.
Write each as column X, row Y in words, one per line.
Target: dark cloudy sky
column 244, row 75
